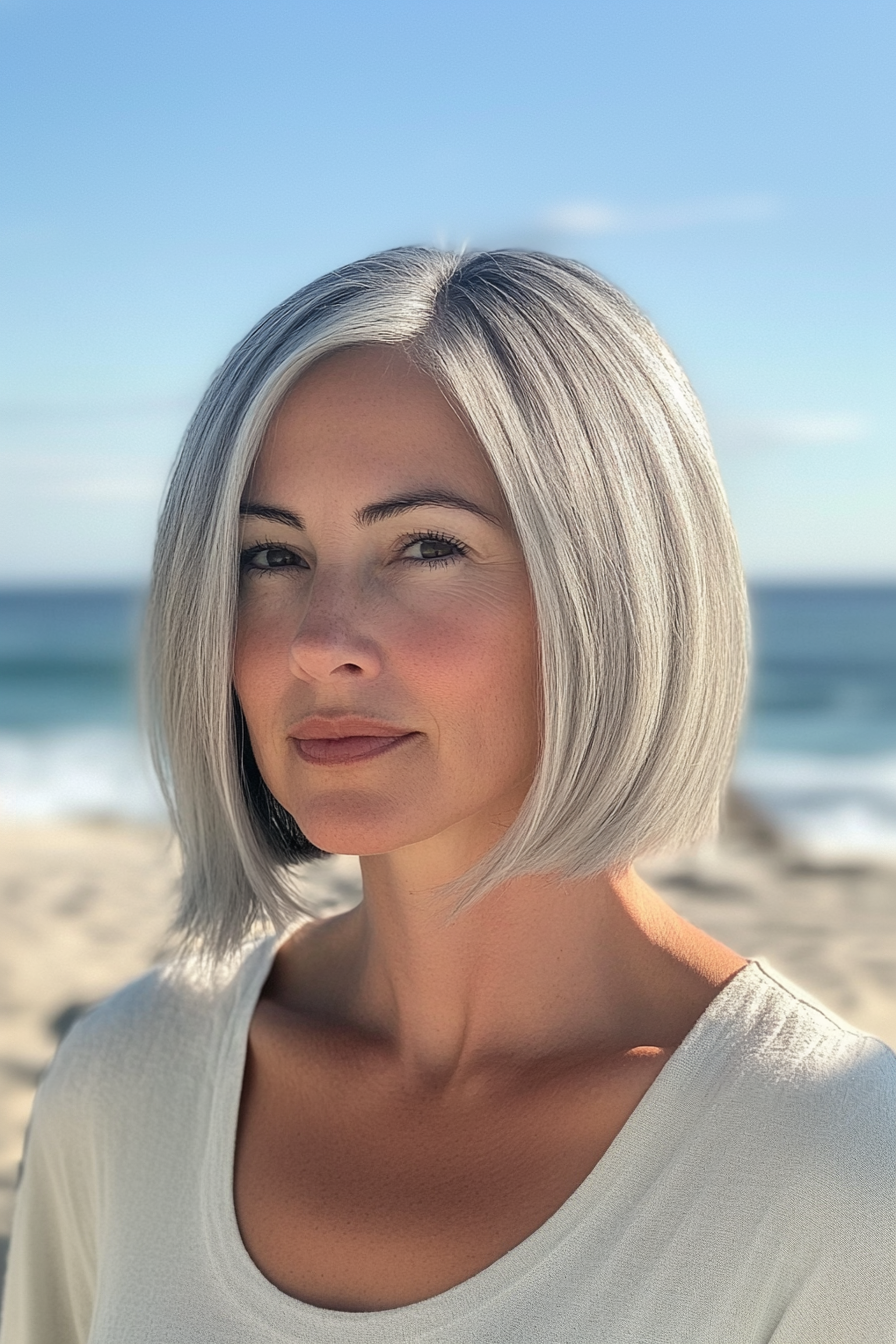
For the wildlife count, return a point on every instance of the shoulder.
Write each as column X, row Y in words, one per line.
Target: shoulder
column 818, row 1095
column 160, row 1031
column 792, row 1038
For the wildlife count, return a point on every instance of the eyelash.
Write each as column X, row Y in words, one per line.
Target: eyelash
column 411, row 539
column 249, row 554
column 431, row 535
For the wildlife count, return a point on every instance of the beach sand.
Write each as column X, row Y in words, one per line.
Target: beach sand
column 84, row 908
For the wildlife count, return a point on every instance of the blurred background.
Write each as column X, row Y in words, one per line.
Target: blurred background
column 174, row 170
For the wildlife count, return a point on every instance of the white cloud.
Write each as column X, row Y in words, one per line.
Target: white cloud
column 596, row 218
column 83, row 477
column 809, row 429
column 818, row 429
column 584, row 218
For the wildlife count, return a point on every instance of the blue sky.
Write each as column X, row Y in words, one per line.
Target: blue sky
column 174, row 169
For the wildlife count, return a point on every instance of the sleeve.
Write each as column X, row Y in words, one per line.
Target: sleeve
column 847, row 1294
column 51, row 1275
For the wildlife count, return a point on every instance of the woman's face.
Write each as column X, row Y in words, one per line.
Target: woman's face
column 386, row 651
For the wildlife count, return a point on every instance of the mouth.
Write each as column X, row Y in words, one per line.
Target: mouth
column 345, row 740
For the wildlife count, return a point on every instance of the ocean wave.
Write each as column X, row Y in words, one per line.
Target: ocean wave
column 828, row 804
column 832, row 805
column 77, row 773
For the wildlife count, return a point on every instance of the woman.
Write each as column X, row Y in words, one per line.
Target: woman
column 445, row 579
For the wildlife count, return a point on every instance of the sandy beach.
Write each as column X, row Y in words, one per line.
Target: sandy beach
column 84, row 908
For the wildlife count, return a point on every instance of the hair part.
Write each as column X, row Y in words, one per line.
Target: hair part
column 603, row 456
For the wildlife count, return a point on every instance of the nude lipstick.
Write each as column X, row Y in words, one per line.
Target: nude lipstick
column 345, row 739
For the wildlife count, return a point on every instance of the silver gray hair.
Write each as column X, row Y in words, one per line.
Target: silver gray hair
column 602, row 452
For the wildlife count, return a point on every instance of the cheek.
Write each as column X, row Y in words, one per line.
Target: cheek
column 259, row 650
column 464, row 663
column 476, row 664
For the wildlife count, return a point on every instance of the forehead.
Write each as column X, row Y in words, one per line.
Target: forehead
column 370, row 412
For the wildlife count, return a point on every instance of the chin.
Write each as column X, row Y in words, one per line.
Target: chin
column 360, row 825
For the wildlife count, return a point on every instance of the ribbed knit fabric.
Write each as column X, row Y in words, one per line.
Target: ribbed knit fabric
column 750, row 1197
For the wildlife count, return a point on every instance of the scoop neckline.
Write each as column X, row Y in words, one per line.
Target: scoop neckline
column 261, row 1300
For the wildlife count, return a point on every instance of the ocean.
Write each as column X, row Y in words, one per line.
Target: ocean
column 818, row 750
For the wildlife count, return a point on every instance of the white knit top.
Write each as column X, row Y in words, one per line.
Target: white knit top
column 750, row 1197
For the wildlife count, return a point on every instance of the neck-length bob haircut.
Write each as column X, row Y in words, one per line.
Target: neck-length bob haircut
column 601, row 450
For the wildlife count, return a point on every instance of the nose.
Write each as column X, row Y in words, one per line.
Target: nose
column 331, row 641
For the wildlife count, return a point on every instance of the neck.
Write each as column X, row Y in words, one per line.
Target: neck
column 540, row 966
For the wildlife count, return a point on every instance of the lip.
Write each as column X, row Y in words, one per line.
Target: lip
column 345, row 738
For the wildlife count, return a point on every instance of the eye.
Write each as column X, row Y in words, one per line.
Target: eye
column 432, row 548
column 266, row 557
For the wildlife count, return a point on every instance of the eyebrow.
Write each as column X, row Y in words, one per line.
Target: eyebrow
column 375, row 513
column 271, row 514
column 445, row 499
